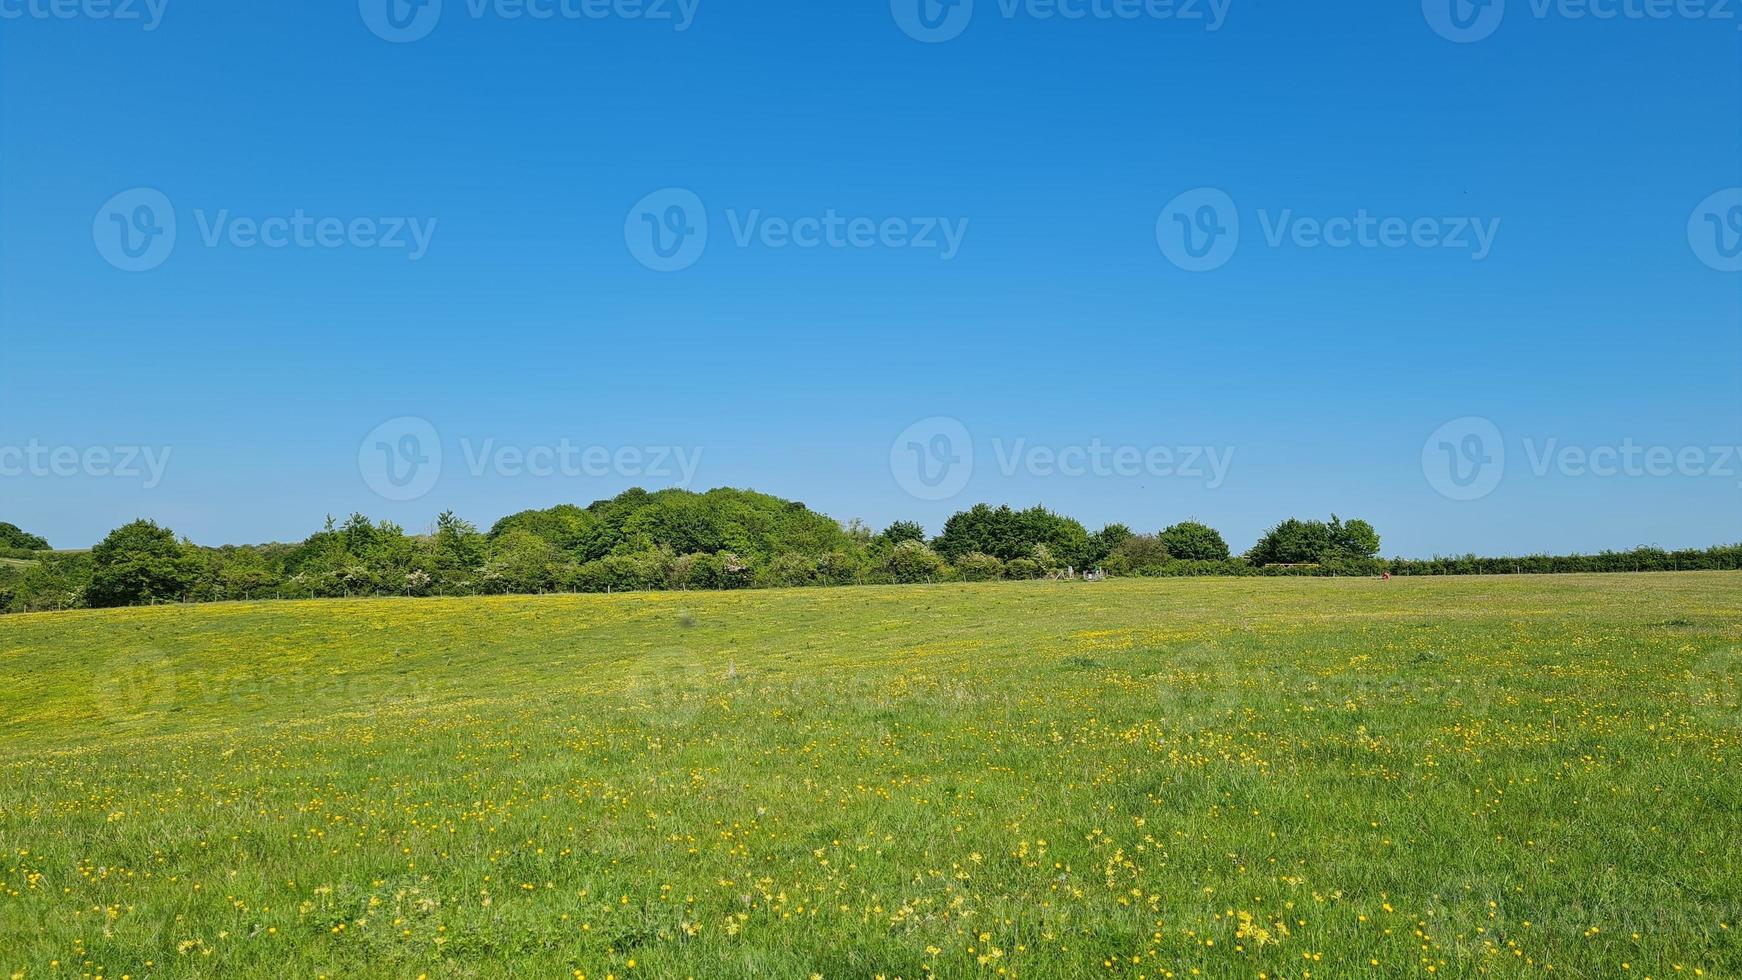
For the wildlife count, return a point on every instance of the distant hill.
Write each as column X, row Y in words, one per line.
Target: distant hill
column 15, row 538
column 754, row 525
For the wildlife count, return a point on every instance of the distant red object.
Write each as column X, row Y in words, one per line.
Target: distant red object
column 1386, row 577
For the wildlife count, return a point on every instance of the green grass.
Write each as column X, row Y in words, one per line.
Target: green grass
column 1218, row 778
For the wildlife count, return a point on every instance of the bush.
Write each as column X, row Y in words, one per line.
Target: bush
column 1023, row 568
column 976, row 567
column 840, row 568
column 790, row 570
column 912, row 561
column 1191, row 541
column 1140, row 554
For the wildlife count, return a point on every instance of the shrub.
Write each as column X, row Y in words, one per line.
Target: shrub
column 977, row 567
column 1023, row 568
column 790, row 569
column 1192, row 541
column 912, row 561
column 901, row 531
column 840, row 568
column 1140, row 554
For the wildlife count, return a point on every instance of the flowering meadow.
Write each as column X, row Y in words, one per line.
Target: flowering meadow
column 1254, row 778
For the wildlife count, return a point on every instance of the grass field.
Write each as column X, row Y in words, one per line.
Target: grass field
column 1216, row 778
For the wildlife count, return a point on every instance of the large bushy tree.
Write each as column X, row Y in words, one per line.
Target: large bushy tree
column 1009, row 534
column 1298, row 542
column 1192, row 541
column 141, row 562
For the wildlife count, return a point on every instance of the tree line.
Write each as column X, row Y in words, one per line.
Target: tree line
column 721, row 539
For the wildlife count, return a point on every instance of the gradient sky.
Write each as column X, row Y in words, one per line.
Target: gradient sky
column 1593, row 321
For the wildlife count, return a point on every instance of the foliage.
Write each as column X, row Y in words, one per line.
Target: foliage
column 976, row 567
column 55, row 581
column 633, row 543
column 913, row 561
column 1297, row 542
column 1105, row 542
column 1139, row 554
column 1192, row 541
column 1006, row 534
column 141, row 562
column 901, row 531
column 12, row 537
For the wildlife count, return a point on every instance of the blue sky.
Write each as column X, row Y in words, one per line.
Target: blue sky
column 1065, row 152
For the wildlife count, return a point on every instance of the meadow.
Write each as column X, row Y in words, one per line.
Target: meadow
column 1255, row 778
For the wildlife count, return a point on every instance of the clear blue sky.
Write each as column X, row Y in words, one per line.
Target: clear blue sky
column 1061, row 320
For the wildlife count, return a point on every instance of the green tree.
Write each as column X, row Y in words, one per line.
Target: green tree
column 1009, row 534
column 521, row 561
column 140, row 562
column 1192, row 541
column 1293, row 542
column 1355, row 539
column 1139, row 554
column 457, row 552
column 1105, row 541
column 12, row 536
column 901, row 531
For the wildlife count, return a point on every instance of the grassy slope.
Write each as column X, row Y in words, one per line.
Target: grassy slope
column 1041, row 778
